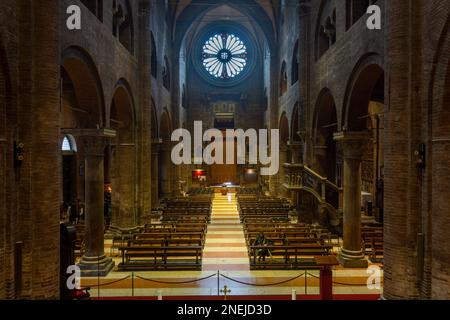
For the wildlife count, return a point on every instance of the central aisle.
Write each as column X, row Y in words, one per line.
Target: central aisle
column 225, row 247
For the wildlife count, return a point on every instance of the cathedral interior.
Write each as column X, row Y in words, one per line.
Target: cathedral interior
column 352, row 96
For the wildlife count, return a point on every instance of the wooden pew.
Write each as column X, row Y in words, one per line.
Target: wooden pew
column 288, row 256
column 161, row 258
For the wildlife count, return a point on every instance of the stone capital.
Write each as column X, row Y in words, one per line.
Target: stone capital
column 352, row 143
column 94, row 140
column 94, row 146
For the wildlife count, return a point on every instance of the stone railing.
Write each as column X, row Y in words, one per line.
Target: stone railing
column 300, row 177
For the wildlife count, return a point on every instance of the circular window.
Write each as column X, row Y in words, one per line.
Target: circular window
column 225, row 53
column 224, row 56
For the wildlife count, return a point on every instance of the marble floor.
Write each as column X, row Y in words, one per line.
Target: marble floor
column 225, row 253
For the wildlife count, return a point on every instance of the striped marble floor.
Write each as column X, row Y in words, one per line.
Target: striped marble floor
column 225, row 247
column 225, row 251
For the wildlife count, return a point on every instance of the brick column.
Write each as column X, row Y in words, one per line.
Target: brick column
column 144, row 146
column 351, row 255
column 94, row 262
column 123, row 186
column 37, row 182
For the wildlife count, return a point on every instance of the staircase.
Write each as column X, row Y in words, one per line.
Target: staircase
column 300, row 178
column 225, row 247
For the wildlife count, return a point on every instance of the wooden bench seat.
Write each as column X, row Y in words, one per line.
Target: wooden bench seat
column 290, row 256
column 161, row 258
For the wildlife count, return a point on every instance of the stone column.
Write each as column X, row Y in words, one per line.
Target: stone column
column 165, row 168
column 94, row 262
column 155, row 173
column 351, row 254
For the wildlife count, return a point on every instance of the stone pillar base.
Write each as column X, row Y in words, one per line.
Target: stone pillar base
column 352, row 259
column 95, row 266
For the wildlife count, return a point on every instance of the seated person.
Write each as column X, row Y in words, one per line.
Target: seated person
column 261, row 240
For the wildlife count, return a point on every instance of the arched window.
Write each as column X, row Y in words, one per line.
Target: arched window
column 283, row 79
column 295, row 64
column 68, row 144
column 154, row 58
column 326, row 32
column 123, row 23
column 166, row 73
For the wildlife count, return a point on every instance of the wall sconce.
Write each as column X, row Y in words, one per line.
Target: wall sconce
column 421, row 154
column 18, row 154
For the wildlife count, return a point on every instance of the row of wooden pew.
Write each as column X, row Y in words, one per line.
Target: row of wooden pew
column 256, row 207
column 372, row 242
column 192, row 209
column 176, row 243
column 275, row 243
column 166, row 246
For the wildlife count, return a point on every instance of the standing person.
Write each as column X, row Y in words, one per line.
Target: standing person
column 77, row 211
column 71, row 213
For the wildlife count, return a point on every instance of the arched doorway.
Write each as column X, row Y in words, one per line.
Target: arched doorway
column 123, row 162
column 325, row 125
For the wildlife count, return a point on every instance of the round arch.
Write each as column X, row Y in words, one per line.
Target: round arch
column 284, row 129
column 325, row 114
column 325, row 124
column 82, row 82
column 122, row 113
column 165, row 126
column 366, row 84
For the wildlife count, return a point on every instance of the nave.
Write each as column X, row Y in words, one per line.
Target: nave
column 226, row 262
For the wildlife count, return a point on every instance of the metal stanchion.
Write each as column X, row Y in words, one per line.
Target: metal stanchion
column 218, row 283
column 132, row 284
column 306, row 282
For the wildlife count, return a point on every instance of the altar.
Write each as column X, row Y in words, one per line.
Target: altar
column 225, row 188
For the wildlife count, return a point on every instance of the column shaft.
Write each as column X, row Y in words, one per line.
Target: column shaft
column 352, row 255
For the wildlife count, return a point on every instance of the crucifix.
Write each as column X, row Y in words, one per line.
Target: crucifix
column 225, row 292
